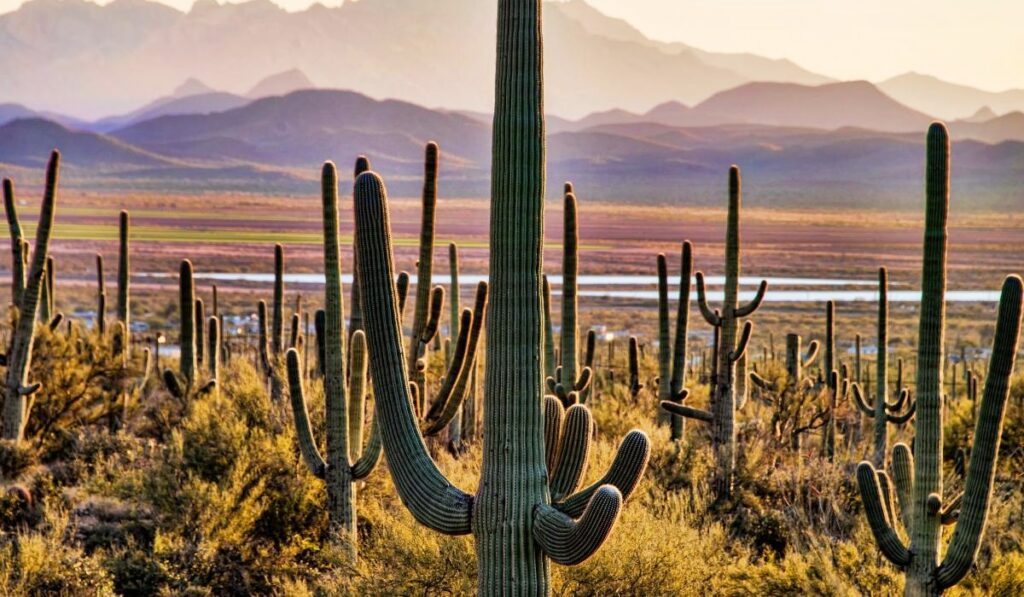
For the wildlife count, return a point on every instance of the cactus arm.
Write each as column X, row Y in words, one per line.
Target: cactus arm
column 568, row 541
column 687, row 411
column 307, row 444
column 899, row 402
column 294, row 336
column 755, row 304
column 583, row 381
column 356, row 393
column 951, row 512
column 454, row 388
column 447, row 402
column 963, row 547
column 888, row 541
column 761, row 382
column 901, row 419
column 430, row 497
column 624, row 473
column 173, row 385
column 433, row 316
column 570, row 301
column 885, row 485
column 277, row 322
column 264, row 341
column 574, row 452
column 370, row 457
column 812, row 353
column 554, row 414
column 402, row 288
column 710, row 316
column 861, row 402
column 741, row 346
column 588, row 363
column 17, row 243
column 319, row 323
column 549, row 330
column 903, row 479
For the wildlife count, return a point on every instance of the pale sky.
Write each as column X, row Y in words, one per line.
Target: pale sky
column 975, row 42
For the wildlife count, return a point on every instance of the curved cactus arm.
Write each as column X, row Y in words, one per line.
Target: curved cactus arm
column 173, row 385
column 744, row 341
column 447, row 403
column 901, row 419
column 755, row 304
column 761, row 382
column 812, row 353
column 17, row 243
column 963, row 547
column 888, row 541
column 453, row 396
column 207, row 388
column 402, row 288
column 264, row 346
column 861, row 402
column 710, row 316
column 574, row 452
column 584, row 379
column 433, row 316
column 568, row 541
column 303, row 432
column 687, row 411
column 371, row 454
column 904, row 395
column 950, row 512
column 552, row 385
column 903, row 479
column 55, row 322
column 624, row 473
column 885, row 485
column 356, row 393
column 431, row 498
column 554, row 414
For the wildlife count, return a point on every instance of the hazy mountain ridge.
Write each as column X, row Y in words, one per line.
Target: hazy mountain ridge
column 277, row 143
column 70, row 55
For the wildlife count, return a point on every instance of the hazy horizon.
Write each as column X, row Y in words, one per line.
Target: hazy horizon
column 945, row 39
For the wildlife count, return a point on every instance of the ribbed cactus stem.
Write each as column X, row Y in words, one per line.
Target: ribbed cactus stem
column 515, row 526
column 200, row 314
column 830, row 340
column 424, row 269
column 187, row 325
column 570, row 291
column 213, row 347
column 355, row 316
column 277, row 314
column 18, row 256
column 17, row 389
column 455, row 426
column 101, row 298
column 881, row 435
column 124, row 278
column 550, row 363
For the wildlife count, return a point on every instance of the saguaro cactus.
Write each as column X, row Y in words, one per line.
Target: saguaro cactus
column 184, row 384
column 730, row 349
column 633, row 366
column 344, row 465
column 569, row 376
column 516, row 525
column 884, row 411
column 101, row 298
column 124, row 280
column 919, row 477
column 672, row 357
column 18, row 391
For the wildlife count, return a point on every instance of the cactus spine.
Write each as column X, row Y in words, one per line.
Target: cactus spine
column 672, row 358
column 344, row 465
column 18, row 392
column 924, row 506
column 884, row 411
column 730, row 349
column 516, row 526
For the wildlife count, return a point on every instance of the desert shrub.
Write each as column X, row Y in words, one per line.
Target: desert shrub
column 46, row 563
column 15, row 458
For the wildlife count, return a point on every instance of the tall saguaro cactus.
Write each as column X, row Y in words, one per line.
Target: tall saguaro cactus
column 344, row 465
column 517, row 527
column 730, row 349
column 884, row 411
column 124, row 280
column 18, row 391
column 919, row 477
column 184, row 384
column 569, row 376
column 672, row 357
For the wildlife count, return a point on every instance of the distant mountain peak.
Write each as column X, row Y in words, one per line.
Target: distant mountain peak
column 192, row 86
column 983, row 114
column 281, row 83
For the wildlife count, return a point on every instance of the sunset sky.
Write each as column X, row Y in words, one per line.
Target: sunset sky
column 976, row 43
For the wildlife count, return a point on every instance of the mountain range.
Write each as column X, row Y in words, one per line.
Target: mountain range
column 89, row 61
column 276, row 143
